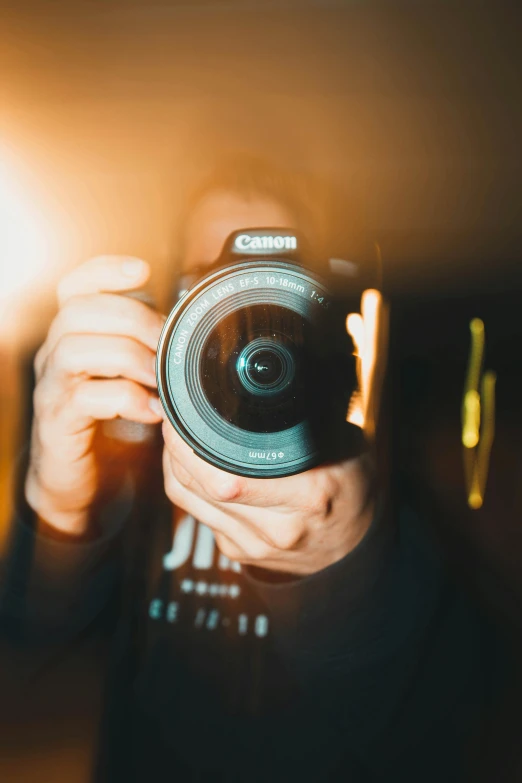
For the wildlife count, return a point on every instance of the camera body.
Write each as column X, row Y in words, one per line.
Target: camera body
column 255, row 368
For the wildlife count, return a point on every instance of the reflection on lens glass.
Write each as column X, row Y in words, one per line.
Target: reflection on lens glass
column 266, row 365
column 250, row 368
column 264, row 368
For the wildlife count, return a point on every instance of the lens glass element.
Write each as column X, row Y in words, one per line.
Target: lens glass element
column 251, row 368
column 265, row 366
column 264, row 369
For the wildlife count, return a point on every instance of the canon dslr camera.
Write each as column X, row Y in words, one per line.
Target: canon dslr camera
column 255, row 368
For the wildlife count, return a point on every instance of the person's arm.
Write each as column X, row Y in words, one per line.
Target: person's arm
column 330, row 615
column 96, row 364
column 54, row 584
column 359, row 613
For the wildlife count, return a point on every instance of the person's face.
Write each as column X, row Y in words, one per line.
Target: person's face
column 218, row 215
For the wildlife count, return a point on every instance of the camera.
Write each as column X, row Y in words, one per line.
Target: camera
column 255, row 368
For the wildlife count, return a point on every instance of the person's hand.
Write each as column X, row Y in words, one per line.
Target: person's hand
column 98, row 362
column 298, row 524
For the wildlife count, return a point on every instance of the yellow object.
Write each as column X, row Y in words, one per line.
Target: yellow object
column 478, row 418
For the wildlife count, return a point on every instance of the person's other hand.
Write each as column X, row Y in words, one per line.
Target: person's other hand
column 298, row 524
column 97, row 362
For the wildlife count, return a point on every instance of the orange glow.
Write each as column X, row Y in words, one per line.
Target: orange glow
column 29, row 238
column 23, row 241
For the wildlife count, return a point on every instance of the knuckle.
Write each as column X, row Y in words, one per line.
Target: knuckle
column 166, row 429
column 286, row 537
column 322, row 503
column 321, row 498
column 39, row 360
column 46, row 435
column 62, row 356
column 39, row 400
column 227, row 489
column 127, row 395
column 182, row 475
column 61, row 324
column 65, row 316
column 172, row 486
column 78, row 396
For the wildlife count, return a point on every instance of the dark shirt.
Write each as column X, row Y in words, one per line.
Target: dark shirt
column 378, row 668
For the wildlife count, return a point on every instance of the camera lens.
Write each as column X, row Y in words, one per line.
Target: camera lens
column 248, row 368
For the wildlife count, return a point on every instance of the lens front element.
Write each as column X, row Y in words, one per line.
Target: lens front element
column 249, row 368
column 265, row 366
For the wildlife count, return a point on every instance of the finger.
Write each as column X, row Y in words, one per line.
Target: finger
column 102, row 356
column 107, row 314
column 97, row 400
column 278, row 530
column 305, row 489
column 243, row 538
column 104, row 273
column 227, row 547
column 216, row 485
column 272, row 562
column 66, row 429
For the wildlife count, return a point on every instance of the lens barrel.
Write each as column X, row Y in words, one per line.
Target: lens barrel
column 241, row 366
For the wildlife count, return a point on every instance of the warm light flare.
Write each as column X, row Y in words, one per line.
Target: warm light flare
column 24, row 245
column 368, row 331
